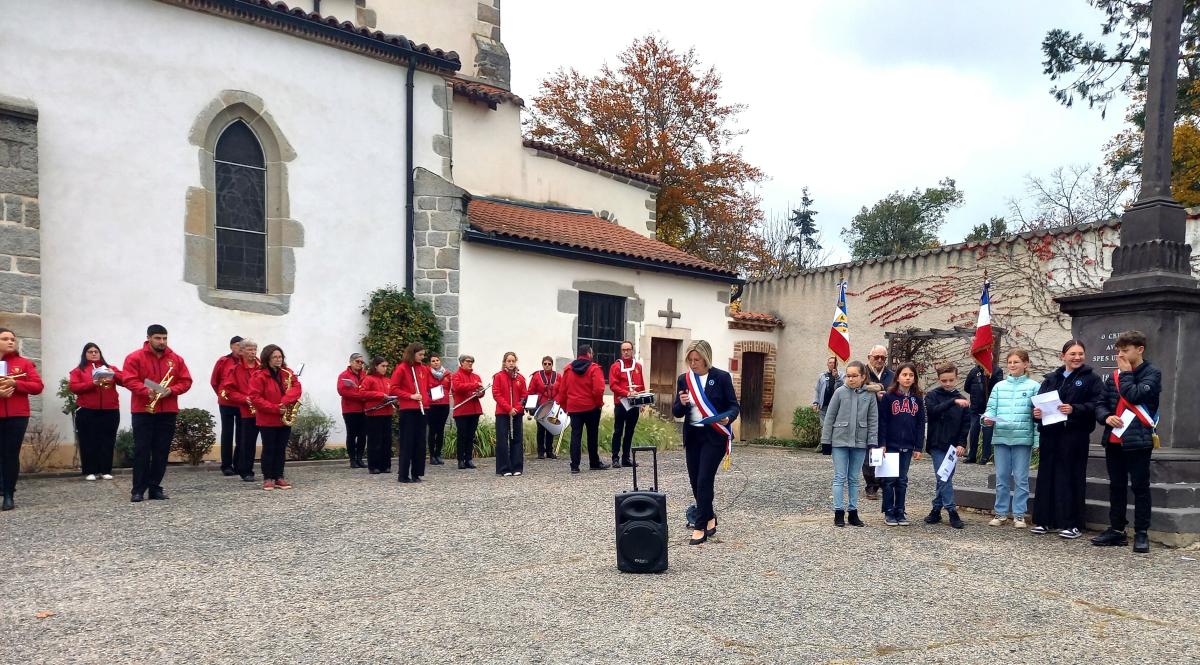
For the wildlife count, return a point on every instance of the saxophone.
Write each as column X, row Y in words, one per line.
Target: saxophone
column 166, row 381
column 288, row 412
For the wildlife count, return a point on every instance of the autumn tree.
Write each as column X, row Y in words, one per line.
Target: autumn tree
column 994, row 228
column 659, row 111
column 1070, row 195
column 902, row 223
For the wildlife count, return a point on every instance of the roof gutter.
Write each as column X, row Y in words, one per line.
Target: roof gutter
column 588, row 255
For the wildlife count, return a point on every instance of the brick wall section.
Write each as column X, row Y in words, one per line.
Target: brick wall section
column 755, row 346
column 437, row 230
column 20, row 233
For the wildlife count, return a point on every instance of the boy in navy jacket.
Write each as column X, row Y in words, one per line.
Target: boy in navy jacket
column 949, row 416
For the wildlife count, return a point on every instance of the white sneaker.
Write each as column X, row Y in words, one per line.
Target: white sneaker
column 997, row 521
column 1038, row 530
column 90, row 476
column 506, row 475
column 107, row 476
column 516, row 473
column 1019, row 523
column 1070, row 534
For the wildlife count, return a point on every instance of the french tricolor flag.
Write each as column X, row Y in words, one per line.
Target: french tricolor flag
column 981, row 346
column 839, row 330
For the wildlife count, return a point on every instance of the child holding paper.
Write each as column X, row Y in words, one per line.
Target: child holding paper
column 901, row 431
column 850, row 427
column 949, row 424
column 1135, row 387
column 1010, row 411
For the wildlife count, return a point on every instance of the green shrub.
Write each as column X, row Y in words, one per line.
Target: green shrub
column 70, row 405
column 331, row 453
column 310, row 433
column 195, row 435
column 806, row 426
column 395, row 318
column 123, row 450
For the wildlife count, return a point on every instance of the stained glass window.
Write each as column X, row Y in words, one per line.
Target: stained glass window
column 241, row 222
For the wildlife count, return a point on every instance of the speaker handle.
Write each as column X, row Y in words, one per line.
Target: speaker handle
column 654, row 453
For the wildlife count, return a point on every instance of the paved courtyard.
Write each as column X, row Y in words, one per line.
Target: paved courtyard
column 468, row 567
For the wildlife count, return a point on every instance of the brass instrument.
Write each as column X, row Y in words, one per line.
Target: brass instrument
column 165, row 382
column 288, row 412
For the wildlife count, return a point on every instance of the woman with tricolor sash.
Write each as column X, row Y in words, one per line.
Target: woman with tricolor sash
column 706, row 400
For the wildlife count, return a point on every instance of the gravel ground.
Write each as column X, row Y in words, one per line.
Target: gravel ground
column 469, row 567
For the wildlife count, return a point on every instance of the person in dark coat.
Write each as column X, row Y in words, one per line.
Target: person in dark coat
column 704, row 388
column 879, row 377
column 1135, row 386
column 1062, row 468
column 948, row 413
column 979, row 386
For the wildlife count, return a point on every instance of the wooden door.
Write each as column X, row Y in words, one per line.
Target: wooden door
column 752, row 395
column 664, row 356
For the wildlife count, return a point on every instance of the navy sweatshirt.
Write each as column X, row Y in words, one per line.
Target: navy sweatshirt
column 901, row 422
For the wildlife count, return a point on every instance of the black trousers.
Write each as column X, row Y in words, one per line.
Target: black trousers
column 152, row 435
column 412, row 444
column 1128, row 470
column 12, row 435
column 977, row 428
column 545, row 441
column 243, row 459
column 379, row 442
column 356, row 434
column 274, row 451
column 465, row 427
column 623, row 424
column 97, row 436
column 510, row 443
column 704, row 449
column 871, row 481
column 1061, row 481
column 231, row 431
column 590, row 421
column 437, row 415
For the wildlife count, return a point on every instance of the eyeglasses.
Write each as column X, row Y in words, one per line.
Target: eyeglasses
column 468, row 361
column 877, row 357
column 547, row 364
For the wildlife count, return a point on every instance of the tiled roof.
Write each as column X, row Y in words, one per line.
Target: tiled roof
column 1056, row 232
column 328, row 30
column 568, row 156
column 489, row 94
column 756, row 317
column 581, row 230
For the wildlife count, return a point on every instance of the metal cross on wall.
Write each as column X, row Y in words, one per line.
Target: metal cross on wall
column 668, row 313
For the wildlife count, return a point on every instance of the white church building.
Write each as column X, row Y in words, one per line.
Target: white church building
column 244, row 167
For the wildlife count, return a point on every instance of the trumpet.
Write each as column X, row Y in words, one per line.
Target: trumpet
column 288, row 412
column 165, row 382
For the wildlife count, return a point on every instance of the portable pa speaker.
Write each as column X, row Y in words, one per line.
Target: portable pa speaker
column 642, row 525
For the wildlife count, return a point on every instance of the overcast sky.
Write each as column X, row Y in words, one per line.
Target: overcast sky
column 854, row 98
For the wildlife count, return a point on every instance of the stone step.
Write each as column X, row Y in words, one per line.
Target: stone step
column 1167, row 495
column 1167, row 465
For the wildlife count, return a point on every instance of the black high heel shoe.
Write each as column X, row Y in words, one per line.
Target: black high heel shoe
column 700, row 540
column 713, row 531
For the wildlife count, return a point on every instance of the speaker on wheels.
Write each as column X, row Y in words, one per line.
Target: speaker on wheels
column 642, row 525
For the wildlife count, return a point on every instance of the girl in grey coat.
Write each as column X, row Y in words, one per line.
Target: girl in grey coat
column 851, row 426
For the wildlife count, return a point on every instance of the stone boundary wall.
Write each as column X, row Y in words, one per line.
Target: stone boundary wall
column 440, row 217
column 20, row 235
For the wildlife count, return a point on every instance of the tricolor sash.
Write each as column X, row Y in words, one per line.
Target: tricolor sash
column 708, row 414
column 1139, row 410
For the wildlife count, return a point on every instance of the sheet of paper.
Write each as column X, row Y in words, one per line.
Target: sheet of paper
column 948, row 463
column 1127, row 417
column 531, row 401
column 1049, row 403
column 349, row 384
column 3, row 368
column 876, row 456
column 890, row 468
column 154, row 387
column 437, row 392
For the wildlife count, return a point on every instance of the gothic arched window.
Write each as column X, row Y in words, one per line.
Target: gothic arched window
column 241, row 223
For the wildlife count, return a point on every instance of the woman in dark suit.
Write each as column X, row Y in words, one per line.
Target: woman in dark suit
column 704, row 392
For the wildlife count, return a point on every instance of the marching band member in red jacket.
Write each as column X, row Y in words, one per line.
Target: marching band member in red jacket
column 19, row 380
column 349, row 386
column 99, row 411
column 235, row 386
column 508, row 389
column 581, row 394
column 410, row 385
column 154, row 412
column 379, row 409
column 275, row 390
column 624, row 378
column 230, row 419
column 468, row 390
column 439, row 408
column 542, row 384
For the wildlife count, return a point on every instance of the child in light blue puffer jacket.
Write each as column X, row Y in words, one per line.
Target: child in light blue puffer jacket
column 1010, row 411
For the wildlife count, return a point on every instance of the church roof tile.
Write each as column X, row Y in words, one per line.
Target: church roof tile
column 483, row 92
column 594, row 163
column 581, row 234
